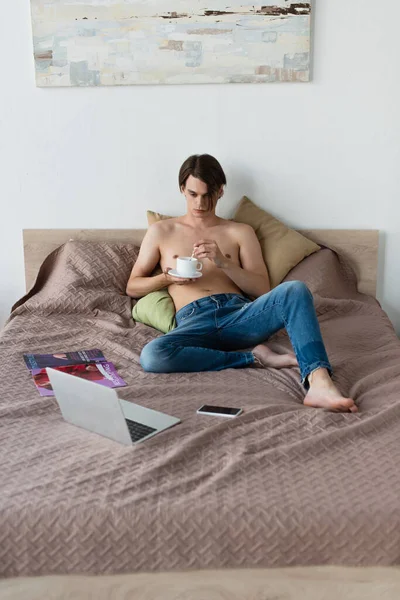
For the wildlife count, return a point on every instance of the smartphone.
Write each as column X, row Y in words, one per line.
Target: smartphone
column 219, row 411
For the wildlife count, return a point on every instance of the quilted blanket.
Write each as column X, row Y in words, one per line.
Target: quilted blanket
column 282, row 485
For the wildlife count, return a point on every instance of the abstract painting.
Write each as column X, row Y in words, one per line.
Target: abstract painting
column 126, row 42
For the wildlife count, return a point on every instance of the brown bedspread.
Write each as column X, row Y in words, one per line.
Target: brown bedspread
column 282, row 485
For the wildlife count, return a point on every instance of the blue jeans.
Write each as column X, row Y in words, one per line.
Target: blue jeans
column 210, row 331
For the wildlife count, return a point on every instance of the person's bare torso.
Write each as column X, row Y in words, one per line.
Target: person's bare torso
column 177, row 239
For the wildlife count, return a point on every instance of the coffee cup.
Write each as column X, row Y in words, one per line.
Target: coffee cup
column 187, row 266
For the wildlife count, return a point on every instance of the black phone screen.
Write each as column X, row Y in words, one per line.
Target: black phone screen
column 219, row 410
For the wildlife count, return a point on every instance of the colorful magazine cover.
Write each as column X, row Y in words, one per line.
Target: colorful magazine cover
column 103, row 373
column 60, row 359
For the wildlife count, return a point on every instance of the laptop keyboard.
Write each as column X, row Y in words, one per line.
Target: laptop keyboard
column 138, row 430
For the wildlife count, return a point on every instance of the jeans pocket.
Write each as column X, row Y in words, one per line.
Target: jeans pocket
column 237, row 301
column 186, row 313
column 238, row 304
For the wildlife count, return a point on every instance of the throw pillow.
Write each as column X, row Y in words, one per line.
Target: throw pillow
column 282, row 248
column 83, row 277
column 153, row 217
column 157, row 310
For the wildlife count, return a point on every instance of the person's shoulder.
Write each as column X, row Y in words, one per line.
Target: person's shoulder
column 162, row 227
column 238, row 228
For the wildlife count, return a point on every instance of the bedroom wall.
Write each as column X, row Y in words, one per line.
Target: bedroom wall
column 324, row 154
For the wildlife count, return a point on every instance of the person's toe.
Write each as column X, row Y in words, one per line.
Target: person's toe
column 348, row 404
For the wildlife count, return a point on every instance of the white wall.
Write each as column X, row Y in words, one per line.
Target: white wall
column 324, row 154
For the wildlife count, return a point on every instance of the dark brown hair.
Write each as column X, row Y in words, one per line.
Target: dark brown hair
column 206, row 168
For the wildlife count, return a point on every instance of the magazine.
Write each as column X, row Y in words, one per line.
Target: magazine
column 60, row 359
column 87, row 364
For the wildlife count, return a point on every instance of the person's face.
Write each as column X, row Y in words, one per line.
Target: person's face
column 199, row 203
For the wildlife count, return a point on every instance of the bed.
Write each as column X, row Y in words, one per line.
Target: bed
column 283, row 486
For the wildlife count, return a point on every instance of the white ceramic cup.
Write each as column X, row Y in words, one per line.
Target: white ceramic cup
column 188, row 266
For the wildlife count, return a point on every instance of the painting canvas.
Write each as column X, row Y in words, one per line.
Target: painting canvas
column 125, row 42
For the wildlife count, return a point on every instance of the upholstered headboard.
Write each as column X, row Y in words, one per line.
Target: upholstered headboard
column 360, row 247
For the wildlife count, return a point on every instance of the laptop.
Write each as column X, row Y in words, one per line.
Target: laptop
column 98, row 409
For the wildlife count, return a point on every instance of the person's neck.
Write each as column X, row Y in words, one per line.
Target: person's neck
column 204, row 223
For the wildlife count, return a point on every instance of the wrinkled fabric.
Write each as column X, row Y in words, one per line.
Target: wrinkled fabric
column 281, row 485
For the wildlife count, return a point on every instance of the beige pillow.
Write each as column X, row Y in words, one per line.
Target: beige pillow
column 282, row 248
column 153, row 217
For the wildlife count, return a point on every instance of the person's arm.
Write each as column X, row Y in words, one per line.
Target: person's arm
column 140, row 282
column 252, row 277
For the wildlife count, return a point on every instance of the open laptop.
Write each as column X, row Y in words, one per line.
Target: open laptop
column 98, row 409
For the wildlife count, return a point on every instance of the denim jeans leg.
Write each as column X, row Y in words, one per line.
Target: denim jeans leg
column 193, row 346
column 290, row 305
column 174, row 353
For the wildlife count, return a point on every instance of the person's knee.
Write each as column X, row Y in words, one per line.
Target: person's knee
column 295, row 288
column 152, row 357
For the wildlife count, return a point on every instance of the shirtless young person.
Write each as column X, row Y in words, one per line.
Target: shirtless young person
column 215, row 320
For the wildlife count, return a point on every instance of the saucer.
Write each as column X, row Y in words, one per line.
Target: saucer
column 175, row 273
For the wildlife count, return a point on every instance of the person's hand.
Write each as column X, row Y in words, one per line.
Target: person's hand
column 210, row 249
column 177, row 280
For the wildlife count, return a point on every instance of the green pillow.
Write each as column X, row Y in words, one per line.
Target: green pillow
column 157, row 309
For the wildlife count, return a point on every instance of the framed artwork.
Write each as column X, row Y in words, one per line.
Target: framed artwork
column 129, row 42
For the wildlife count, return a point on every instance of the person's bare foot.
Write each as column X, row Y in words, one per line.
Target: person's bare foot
column 268, row 358
column 324, row 394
